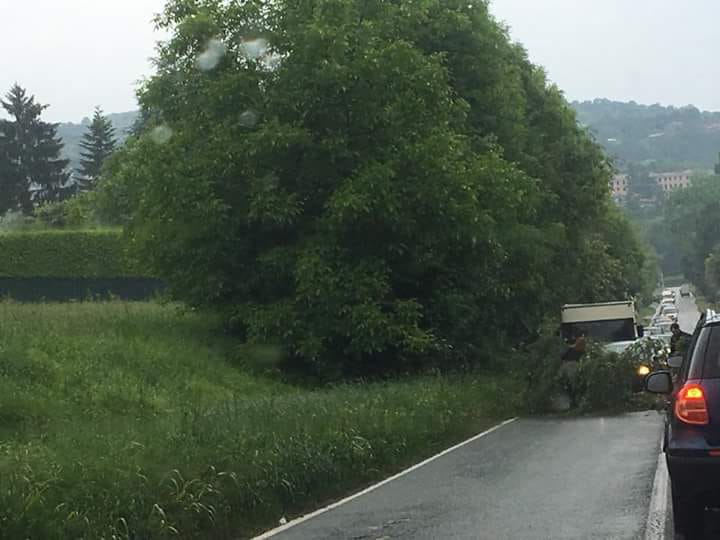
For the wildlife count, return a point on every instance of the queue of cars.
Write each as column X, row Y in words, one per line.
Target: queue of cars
column 691, row 439
column 667, row 313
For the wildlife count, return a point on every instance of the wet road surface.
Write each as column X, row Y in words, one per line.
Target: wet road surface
column 570, row 478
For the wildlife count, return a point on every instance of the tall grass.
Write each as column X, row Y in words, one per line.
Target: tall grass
column 121, row 420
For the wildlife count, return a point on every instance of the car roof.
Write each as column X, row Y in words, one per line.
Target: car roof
column 711, row 317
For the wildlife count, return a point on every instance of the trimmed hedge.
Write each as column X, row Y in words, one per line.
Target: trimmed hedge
column 65, row 254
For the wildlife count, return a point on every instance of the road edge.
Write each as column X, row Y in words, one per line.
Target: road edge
column 302, row 519
column 655, row 528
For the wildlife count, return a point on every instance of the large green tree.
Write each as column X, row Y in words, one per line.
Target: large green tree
column 31, row 170
column 97, row 144
column 366, row 182
column 693, row 218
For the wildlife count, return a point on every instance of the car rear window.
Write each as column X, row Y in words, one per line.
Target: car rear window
column 708, row 348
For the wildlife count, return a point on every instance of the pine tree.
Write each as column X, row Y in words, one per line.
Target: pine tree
column 31, row 170
column 98, row 143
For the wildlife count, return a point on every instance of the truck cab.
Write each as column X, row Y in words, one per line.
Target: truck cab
column 614, row 323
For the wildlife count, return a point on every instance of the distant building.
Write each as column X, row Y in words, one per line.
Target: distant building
column 619, row 186
column 670, row 181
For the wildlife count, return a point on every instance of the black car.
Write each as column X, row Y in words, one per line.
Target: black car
column 692, row 426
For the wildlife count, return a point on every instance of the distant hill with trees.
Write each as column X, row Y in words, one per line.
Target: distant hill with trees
column 72, row 134
column 672, row 137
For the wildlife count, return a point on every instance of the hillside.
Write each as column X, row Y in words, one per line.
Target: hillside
column 630, row 132
column 71, row 134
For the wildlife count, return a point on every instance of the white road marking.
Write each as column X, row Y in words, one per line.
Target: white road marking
column 298, row 521
column 657, row 514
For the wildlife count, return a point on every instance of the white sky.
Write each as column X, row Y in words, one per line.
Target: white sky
column 75, row 54
column 650, row 51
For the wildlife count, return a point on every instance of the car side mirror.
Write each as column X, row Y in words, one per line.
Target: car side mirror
column 659, row 382
column 675, row 362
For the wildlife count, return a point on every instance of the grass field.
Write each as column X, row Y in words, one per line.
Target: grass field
column 121, row 420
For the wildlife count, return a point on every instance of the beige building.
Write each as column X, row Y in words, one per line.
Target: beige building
column 670, row 181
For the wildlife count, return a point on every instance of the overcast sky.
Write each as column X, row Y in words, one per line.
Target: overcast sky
column 75, row 54
column 650, row 51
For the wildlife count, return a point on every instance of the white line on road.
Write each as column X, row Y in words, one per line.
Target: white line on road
column 657, row 514
column 302, row 519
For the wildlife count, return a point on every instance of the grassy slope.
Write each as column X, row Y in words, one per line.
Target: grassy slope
column 128, row 421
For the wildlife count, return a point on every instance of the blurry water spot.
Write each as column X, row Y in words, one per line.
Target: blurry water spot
column 211, row 56
column 161, row 134
column 271, row 61
column 254, row 48
column 249, row 118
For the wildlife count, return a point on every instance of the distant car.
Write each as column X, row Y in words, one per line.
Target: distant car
column 692, row 426
column 684, row 291
column 669, row 310
column 664, row 323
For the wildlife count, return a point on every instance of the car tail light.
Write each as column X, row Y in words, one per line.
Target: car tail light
column 690, row 405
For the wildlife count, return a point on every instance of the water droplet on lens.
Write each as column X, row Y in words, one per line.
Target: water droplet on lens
column 161, row 134
column 254, row 48
column 271, row 61
column 249, row 119
column 211, row 56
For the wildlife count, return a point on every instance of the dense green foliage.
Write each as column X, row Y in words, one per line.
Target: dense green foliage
column 692, row 216
column 601, row 381
column 366, row 183
column 673, row 137
column 97, row 144
column 31, row 169
column 128, row 421
column 72, row 253
column 80, row 211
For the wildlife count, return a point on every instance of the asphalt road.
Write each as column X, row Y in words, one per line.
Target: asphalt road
column 530, row 479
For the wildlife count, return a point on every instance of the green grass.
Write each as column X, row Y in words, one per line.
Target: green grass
column 122, row 420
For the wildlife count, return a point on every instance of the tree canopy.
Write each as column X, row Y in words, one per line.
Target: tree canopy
column 693, row 219
column 98, row 144
column 31, row 169
column 367, row 184
column 675, row 138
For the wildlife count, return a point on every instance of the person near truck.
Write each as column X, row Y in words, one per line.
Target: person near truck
column 679, row 340
column 569, row 367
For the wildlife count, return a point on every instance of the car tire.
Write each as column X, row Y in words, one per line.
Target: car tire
column 688, row 514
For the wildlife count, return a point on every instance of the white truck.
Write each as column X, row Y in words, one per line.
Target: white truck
column 612, row 322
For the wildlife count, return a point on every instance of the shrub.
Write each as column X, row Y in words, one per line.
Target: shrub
column 604, row 379
column 543, row 360
column 15, row 221
column 78, row 211
column 600, row 381
column 82, row 254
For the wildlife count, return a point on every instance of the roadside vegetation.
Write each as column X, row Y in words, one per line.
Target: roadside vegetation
column 128, row 420
column 601, row 382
